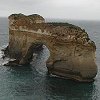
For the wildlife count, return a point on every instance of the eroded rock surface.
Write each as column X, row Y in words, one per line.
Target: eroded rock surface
column 72, row 53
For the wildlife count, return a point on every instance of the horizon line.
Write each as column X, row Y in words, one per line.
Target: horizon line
column 46, row 18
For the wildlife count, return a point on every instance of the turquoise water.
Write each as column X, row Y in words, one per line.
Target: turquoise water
column 32, row 82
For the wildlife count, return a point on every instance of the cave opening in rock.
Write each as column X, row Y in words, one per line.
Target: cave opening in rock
column 39, row 57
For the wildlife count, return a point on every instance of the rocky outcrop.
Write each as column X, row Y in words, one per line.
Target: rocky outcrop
column 72, row 53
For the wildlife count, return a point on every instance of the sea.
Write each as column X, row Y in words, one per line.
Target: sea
column 31, row 82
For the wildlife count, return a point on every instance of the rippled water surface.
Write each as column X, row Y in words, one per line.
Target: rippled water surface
column 32, row 82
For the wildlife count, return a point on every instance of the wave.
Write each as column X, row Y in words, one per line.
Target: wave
column 39, row 61
column 1, row 54
column 6, row 59
column 3, row 34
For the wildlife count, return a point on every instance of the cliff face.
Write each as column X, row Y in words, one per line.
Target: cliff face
column 72, row 53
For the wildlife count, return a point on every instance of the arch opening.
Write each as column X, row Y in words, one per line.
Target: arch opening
column 39, row 54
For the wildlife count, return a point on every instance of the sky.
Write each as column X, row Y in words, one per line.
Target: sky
column 63, row 9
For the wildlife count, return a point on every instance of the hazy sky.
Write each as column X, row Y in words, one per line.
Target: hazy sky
column 69, row 9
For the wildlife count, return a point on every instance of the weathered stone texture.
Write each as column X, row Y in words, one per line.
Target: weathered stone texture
column 72, row 53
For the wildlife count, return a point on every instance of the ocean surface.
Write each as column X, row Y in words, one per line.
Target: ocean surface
column 32, row 82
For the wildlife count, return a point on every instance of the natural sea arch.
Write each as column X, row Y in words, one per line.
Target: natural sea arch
column 72, row 53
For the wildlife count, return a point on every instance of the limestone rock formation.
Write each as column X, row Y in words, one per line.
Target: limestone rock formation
column 72, row 53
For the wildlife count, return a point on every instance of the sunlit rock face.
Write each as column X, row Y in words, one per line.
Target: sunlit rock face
column 72, row 53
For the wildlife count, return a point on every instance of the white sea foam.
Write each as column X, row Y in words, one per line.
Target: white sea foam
column 4, row 46
column 1, row 54
column 39, row 61
column 3, row 61
column 6, row 59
